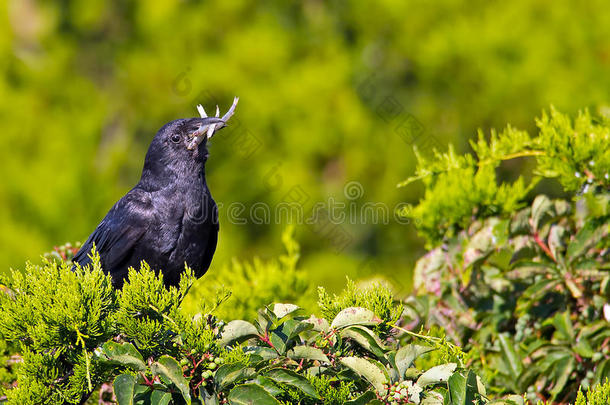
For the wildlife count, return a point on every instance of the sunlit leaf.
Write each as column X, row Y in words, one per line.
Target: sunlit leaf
column 237, row 330
column 171, row 373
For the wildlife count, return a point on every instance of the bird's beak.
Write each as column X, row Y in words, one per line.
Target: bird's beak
column 213, row 126
column 207, row 125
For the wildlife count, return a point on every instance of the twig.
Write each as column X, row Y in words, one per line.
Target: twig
column 544, row 247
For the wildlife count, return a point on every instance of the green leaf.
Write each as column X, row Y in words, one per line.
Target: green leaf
column 124, row 354
column 510, row 356
column 463, row 389
column 509, row 400
column 124, row 387
column 354, row 316
column 319, row 324
column 564, row 326
column 542, row 208
column 407, row 354
column 171, row 373
column 555, row 242
column 268, row 384
column 292, row 327
column 524, row 249
column 373, row 373
column 363, row 399
column 228, row 374
column 160, row 398
column 592, row 232
column 365, row 338
column 281, row 310
column 602, row 371
column 563, row 369
column 432, row 398
column 278, row 340
column 207, row 398
column 265, row 353
column 519, row 224
column 237, row 331
column 265, row 319
column 288, row 377
column 480, row 246
column 309, row 353
column 436, row 374
column 251, row 394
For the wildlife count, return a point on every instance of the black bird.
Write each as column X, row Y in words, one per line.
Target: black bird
column 169, row 218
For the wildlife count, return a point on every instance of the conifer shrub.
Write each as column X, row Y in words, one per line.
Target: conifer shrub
column 74, row 332
column 597, row 395
column 522, row 281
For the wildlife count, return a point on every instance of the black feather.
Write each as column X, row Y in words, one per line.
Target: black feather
column 168, row 219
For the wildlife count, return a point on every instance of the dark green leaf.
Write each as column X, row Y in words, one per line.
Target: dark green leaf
column 563, row 369
column 363, row 399
column 591, row 233
column 289, row 377
column 278, row 340
column 160, row 398
column 124, row 387
column 365, row 338
column 564, row 326
column 463, row 389
column 228, row 374
column 251, row 394
column 509, row 400
column 207, row 398
column 293, row 327
column 268, row 384
column 510, row 356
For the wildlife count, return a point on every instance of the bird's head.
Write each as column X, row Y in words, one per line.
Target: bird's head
column 181, row 145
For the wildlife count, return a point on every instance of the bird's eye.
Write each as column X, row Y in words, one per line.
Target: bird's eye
column 176, row 138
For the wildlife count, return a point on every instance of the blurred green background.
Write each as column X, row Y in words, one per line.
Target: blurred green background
column 330, row 93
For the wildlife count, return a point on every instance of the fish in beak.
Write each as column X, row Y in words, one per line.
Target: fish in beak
column 211, row 125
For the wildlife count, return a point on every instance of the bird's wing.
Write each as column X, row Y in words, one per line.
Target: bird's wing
column 209, row 249
column 117, row 234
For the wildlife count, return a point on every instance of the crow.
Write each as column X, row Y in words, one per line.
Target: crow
column 169, row 219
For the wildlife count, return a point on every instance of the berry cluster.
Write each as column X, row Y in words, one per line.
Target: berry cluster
column 403, row 392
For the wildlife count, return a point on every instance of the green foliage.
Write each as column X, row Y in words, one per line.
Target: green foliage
column 460, row 188
column 254, row 284
column 575, row 151
column 332, row 391
column 296, row 359
column 9, row 360
column 524, row 291
column 140, row 339
column 58, row 317
column 377, row 298
column 147, row 310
